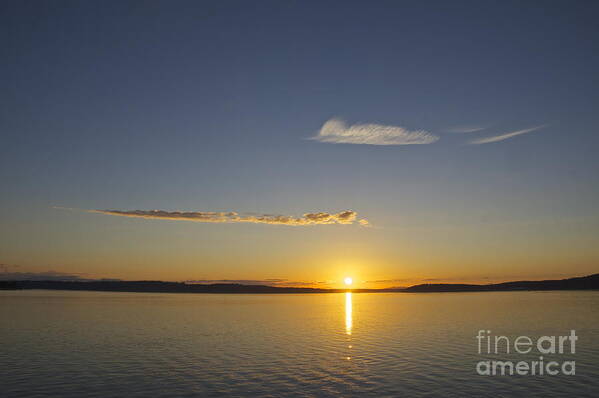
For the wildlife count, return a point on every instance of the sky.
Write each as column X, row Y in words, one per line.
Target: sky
column 299, row 142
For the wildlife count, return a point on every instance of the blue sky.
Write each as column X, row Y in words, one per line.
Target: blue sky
column 208, row 106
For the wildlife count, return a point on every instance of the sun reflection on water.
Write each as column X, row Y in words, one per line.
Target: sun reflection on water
column 348, row 313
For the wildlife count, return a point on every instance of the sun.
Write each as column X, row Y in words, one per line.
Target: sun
column 348, row 281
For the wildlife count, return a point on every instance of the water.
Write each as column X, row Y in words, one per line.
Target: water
column 98, row 344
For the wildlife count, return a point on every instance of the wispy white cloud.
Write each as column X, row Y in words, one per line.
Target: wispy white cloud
column 505, row 136
column 337, row 132
column 321, row 218
column 466, row 129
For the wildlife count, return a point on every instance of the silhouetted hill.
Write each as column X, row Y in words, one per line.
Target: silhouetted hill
column 581, row 283
column 153, row 287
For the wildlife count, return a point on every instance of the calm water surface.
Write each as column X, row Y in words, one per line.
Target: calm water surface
column 88, row 344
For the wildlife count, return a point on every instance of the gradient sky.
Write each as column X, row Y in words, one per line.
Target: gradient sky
column 210, row 107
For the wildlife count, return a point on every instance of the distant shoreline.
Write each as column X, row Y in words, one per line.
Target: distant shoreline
column 590, row 282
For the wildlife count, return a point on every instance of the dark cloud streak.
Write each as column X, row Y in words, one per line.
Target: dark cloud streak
column 346, row 217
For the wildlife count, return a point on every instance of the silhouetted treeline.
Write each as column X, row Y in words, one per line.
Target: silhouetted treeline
column 582, row 283
column 153, row 287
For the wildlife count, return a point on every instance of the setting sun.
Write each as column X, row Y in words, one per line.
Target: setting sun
column 348, row 281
